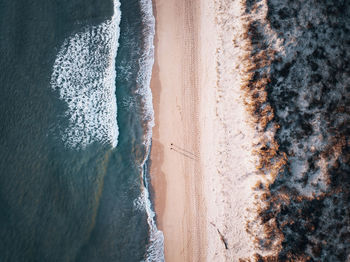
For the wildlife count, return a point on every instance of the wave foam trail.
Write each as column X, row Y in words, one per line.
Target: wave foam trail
column 146, row 64
column 84, row 76
column 155, row 250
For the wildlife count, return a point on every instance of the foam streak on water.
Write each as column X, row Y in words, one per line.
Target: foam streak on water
column 84, row 77
column 155, row 249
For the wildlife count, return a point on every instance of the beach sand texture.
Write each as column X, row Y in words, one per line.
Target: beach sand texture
column 175, row 169
column 202, row 167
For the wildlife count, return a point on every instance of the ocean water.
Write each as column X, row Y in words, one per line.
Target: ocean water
column 76, row 118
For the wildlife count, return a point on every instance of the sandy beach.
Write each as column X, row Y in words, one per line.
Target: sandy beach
column 176, row 170
column 202, row 168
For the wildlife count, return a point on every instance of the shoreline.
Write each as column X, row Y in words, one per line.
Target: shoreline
column 203, row 135
column 175, row 164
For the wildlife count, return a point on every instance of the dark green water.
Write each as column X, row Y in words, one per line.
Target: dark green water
column 60, row 203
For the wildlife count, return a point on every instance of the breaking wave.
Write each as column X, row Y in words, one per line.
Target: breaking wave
column 155, row 249
column 84, row 76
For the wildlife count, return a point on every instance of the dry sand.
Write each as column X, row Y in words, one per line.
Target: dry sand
column 203, row 181
column 176, row 170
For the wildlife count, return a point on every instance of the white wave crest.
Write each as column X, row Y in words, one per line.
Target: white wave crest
column 84, row 76
column 146, row 62
column 155, row 249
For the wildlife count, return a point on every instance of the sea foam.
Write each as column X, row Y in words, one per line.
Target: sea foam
column 155, row 249
column 84, row 77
